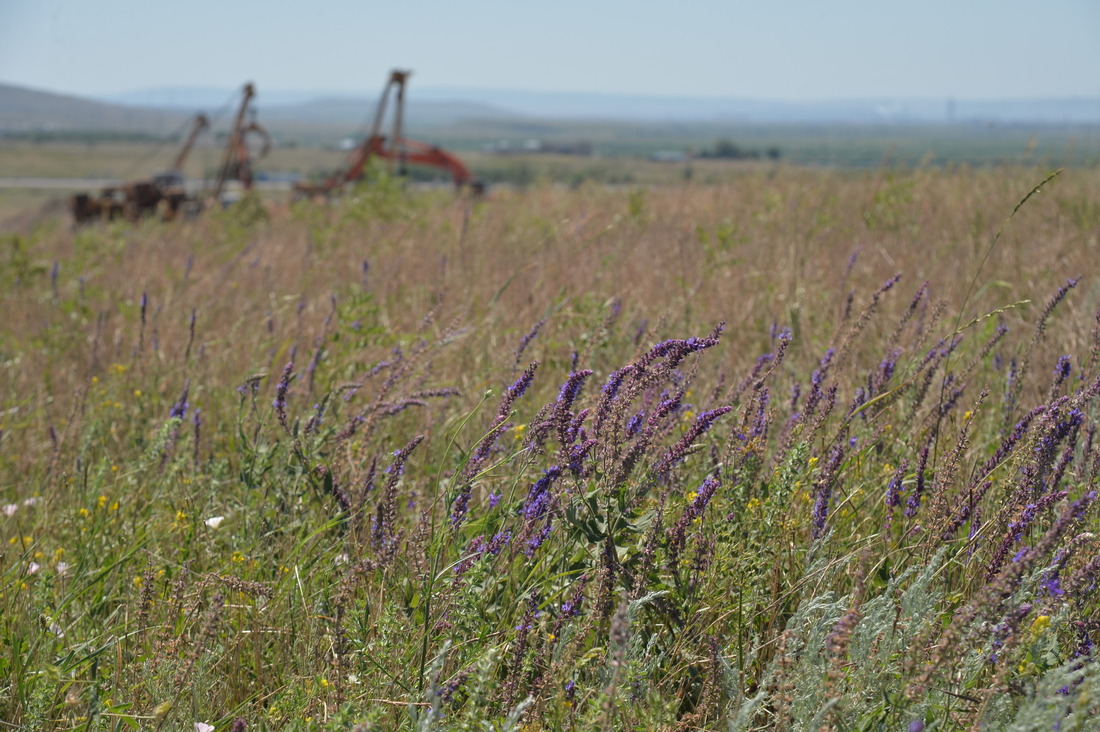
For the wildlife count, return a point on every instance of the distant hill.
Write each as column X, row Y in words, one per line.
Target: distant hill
column 29, row 110
column 290, row 114
column 309, row 119
column 358, row 112
column 473, row 103
column 653, row 108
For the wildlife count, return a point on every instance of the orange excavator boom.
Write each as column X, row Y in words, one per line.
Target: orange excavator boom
column 395, row 148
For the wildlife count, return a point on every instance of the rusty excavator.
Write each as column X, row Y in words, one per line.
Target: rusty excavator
column 396, row 149
column 164, row 194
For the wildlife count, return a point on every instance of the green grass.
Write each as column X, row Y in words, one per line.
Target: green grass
column 276, row 465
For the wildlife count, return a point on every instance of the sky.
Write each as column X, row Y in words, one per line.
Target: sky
column 749, row 49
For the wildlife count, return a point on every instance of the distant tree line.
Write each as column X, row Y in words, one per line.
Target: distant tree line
column 726, row 149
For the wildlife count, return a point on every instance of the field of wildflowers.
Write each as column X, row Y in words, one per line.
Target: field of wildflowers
column 811, row 451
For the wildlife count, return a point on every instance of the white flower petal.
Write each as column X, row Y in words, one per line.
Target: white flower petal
column 9, row 509
column 213, row 522
column 203, row 727
column 33, row 568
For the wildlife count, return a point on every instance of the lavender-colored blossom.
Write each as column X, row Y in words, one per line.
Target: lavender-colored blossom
column 577, row 454
column 482, row 450
column 894, row 489
column 796, row 392
column 575, row 428
column 571, row 388
column 677, row 536
column 494, row 499
column 179, row 409
column 539, row 496
column 280, row 394
column 634, row 424
column 571, row 608
column 759, row 427
column 538, row 539
column 824, row 490
column 913, row 504
column 1061, row 369
column 677, row 452
column 526, row 340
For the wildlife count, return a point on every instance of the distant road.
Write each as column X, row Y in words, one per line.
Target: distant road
column 86, row 184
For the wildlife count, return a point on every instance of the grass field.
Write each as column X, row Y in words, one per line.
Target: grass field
column 802, row 450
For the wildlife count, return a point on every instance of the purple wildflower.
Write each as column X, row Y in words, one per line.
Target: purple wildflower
column 913, row 504
column 179, row 409
column 894, row 489
column 539, row 497
column 677, row 536
column 280, row 394
column 1061, row 369
column 571, row 608
column 677, row 452
column 526, row 340
column 577, row 454
column 568, row 394
column 824, row 490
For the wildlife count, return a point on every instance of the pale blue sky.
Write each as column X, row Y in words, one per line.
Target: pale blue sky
column 766, row 49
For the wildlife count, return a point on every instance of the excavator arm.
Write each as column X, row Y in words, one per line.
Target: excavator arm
column 396, row 148
column 405, row 150
column 237, row 161
column 200, row 124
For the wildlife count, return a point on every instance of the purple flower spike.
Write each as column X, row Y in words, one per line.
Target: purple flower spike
column 1061, row 370
column 280, row 394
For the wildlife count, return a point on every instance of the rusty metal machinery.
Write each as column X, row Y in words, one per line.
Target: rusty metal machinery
column 164, row 195
column 237, row 160
column 395, row 148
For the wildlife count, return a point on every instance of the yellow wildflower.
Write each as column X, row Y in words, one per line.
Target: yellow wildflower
column 1040, row 625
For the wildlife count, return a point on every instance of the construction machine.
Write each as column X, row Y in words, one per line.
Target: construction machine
column 238, row 158
column 164, row 194
column 396, row 148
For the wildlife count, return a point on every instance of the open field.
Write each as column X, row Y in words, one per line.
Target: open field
column 664, row 457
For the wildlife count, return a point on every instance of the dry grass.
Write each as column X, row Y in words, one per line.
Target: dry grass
column 98, row 342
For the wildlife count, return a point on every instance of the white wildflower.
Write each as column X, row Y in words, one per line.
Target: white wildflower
column 213, row 522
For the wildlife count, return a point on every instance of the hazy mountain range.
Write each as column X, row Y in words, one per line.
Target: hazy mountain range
column 162, row 110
